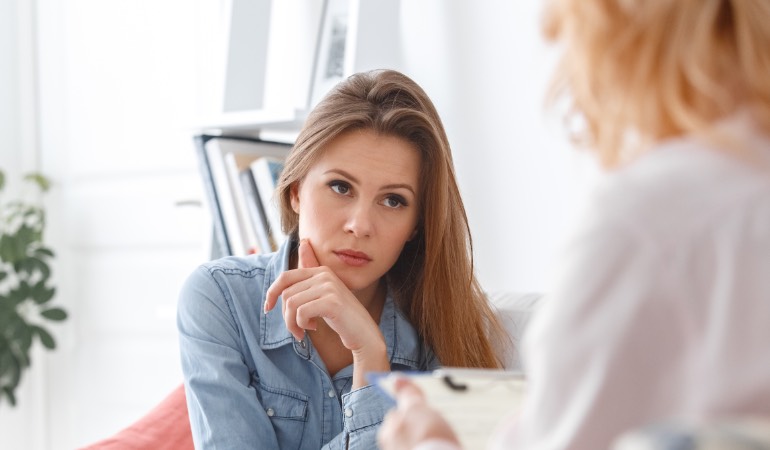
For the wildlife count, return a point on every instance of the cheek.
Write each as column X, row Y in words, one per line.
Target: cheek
column 311, row 221
column 399, row 236
column 305, row 224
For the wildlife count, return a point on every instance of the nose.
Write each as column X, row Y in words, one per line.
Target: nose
column 360, row 222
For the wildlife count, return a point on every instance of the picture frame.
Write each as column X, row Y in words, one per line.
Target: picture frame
column 331, row 64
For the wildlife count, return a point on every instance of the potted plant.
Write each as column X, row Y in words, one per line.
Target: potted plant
column 25, row 291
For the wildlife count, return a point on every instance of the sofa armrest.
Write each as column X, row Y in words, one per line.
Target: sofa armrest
column 514, row 310
column 165, row 427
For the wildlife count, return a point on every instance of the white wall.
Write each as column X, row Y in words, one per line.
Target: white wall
column 10, row 59
column 119, row 86
column 24, row 426
column 487, row 69
column 119, row 83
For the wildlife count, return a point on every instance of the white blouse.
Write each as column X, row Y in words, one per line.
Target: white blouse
column 661, row 305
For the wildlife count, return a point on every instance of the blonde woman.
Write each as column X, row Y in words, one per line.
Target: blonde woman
column 661, row 309
column 377, row 276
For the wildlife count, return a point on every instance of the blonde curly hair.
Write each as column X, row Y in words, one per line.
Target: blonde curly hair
column 638, row 71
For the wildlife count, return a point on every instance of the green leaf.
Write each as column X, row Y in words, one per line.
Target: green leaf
column 45, row 338
column 8, row 248
column 41, row 252
column 15, row 369
column 20, row 352
column 42, row 294
column 3, row 274
column 16, row 296
column 22, row 292
column 20, row 267
column 17, row 366
column 2, row 180
column 8, row 315
column 41, row 180
column 7, row 365
column 8, row 391
column 23, row 338
column 21, row 360
column 25, row 267
column 35, row 263
column 26, row 236
column 6, row 359
column 14, row 326
column 55, row 314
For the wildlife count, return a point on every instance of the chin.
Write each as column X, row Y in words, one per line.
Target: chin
column 356, row 284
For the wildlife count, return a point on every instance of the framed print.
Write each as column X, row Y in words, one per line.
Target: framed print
column 330, row 65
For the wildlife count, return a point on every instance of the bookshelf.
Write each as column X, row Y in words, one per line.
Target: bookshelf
column 239, row 198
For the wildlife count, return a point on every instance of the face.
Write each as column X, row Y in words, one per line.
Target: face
column 358, row 205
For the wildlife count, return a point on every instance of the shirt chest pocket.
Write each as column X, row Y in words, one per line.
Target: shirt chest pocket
column 287, row 412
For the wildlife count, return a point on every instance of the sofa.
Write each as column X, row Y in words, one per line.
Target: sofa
column 165, row 427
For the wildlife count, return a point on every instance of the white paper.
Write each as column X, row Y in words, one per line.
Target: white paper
column 474, row 412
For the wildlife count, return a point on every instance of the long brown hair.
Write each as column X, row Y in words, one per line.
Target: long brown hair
column 638, row 71
column 433, row 280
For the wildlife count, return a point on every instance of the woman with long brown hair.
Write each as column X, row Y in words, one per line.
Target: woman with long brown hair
column 377, row 275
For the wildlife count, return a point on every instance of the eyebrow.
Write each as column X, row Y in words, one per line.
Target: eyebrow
column 387, row 186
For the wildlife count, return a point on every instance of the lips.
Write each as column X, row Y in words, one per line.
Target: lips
column 353, row 257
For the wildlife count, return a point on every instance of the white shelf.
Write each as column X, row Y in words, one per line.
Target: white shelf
column 252, row 122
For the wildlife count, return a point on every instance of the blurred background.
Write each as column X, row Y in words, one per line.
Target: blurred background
column 104, row 97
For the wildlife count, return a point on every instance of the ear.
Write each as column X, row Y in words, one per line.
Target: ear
column 294, row 197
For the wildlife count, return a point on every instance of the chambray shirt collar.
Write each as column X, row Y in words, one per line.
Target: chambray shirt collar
column 400, row 337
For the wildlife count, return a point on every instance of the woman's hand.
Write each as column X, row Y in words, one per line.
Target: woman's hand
column 312, row 291
column 413, row 421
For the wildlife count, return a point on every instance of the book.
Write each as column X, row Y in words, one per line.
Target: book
column 216, row 149
column 220, row 244
column 248, row 229
column 223, row 159
column 256, row 211
column 473, row 401
column 266, row 171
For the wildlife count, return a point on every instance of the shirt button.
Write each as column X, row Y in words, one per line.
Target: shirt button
column 348, row 412
column 331, row 393
column 270, row 412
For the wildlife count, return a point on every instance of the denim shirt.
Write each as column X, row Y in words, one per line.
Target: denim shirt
column 249, row 384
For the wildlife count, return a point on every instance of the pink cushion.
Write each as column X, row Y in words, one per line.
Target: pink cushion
column 165, row 427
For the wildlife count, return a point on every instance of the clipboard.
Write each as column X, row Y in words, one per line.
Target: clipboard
column 473, row 401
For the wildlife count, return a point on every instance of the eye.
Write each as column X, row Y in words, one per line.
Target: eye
column 340, row 187
column 395, row 201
